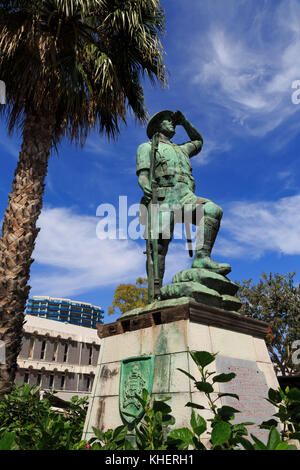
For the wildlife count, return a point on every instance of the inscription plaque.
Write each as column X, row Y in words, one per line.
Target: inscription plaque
column 251, row 387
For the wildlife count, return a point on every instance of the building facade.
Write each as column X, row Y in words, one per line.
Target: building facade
column 58, row 356
column 65, row 310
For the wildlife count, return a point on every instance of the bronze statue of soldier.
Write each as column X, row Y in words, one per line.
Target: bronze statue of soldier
column 172, row 174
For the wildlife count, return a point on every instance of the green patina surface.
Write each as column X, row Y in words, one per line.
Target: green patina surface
column 136, row 374
column 157, row 304
column 204, row 286
column 165, row 176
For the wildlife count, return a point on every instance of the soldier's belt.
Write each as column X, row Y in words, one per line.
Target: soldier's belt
column 171, row 179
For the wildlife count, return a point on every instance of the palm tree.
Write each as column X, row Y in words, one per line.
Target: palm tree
column 69, row 66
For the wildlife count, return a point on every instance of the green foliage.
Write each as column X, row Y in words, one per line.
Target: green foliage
column 29, row 423
column 276, row 300
column 154, row 432
column 110, row 440
column 34, row 425
column 129, row 296
column 223, row 435
column 8, row 441
column 288, row 412
column 93, row 53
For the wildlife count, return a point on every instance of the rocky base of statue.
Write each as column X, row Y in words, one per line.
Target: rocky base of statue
column 205, row 287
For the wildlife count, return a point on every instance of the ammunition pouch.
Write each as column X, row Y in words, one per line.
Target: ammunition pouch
column 169, row 178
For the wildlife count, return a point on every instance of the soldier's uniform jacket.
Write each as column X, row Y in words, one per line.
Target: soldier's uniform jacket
column 173, row 173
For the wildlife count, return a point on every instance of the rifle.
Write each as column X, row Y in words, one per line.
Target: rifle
column 152, row 239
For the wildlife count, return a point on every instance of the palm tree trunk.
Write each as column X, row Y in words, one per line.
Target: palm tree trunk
column 19, row 233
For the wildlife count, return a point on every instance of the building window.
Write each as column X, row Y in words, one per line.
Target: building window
column 66, row 352
column 31, row 345
column 38, row 380
column 55, row 351
column 51, row 381
column 62, row 382
column 43, row 349
column 26, row 377
column 88, row 383
column 90, row 348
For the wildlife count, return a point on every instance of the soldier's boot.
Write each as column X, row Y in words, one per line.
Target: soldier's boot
column 206, row 237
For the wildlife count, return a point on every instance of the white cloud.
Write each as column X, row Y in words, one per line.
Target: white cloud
column 70, row 259
column 210, row 148
column 76, row 260
column 249, row 72
column 252, row 229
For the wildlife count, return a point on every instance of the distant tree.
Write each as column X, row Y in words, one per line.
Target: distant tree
column 129, row 296
column 276, row 300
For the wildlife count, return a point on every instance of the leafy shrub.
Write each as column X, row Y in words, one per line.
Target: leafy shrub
column 28, row 422
column 153, row 431
column 35, row 425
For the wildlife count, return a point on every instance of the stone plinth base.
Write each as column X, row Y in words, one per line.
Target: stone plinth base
column 168, row 334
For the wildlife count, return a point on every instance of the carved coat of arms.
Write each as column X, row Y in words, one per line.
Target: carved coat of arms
column 136, row 374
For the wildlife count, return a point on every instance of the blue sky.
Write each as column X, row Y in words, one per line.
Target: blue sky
column 232, row 64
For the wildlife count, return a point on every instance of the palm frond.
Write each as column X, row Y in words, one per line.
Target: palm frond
column 85, row 58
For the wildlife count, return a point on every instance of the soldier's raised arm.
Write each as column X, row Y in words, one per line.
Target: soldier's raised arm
column 195, row 145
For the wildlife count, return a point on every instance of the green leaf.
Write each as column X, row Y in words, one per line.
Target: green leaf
column 100, row 435
column 145, row 395
column 268, row 424
column 294, row 394
column 202, row 358
column 198, row 423
column 197, row 444
column 182, row 434
column 274, row 439
column 195, row 405
column 282, row 446
column 221, row 433
column 222, row 378
column 204, row 387
column 120, row 433
column 245, row 443
column 227, row 412
column 168, row 420
column 187, row 373
column 7, row 441
column 258, row 445
column 274, row 395
column 233, row 395
column 161, row 406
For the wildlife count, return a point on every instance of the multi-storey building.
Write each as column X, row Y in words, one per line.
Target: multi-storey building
column 65, row 310
column 58, row 356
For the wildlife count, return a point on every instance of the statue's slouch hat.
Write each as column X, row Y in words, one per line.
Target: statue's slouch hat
column 156, row 119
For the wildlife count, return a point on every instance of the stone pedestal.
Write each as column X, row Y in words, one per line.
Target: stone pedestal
column 168, row 333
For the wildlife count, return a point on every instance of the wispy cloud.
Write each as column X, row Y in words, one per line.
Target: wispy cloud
column 253, row 229
column 210, row 148
column 70, row 259
column 251, row 74
column 98, row 145
column 74, row 260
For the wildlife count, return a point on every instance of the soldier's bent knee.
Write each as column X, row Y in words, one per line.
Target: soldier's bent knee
column 213, row 210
